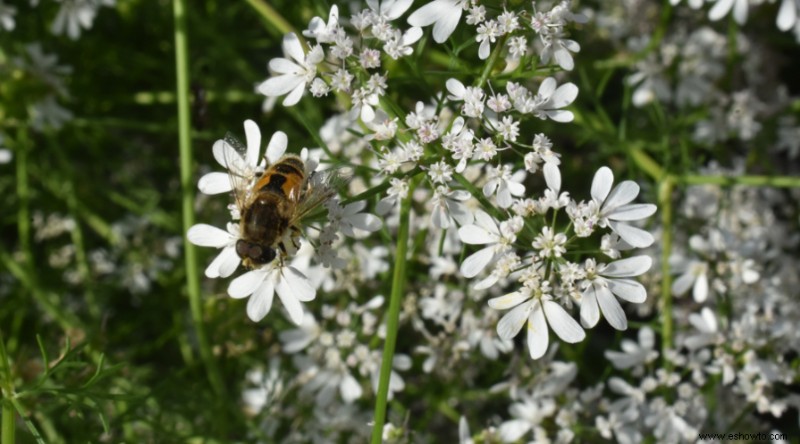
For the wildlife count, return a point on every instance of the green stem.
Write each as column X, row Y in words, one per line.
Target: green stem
column 8, row 423
column 761, row 181
column 192, row 276
column 398, row 287
column 7, row 390
column 665, row 206
column 23, row 194
column 487, row 70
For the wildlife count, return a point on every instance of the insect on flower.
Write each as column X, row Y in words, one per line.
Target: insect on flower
column 273, row 204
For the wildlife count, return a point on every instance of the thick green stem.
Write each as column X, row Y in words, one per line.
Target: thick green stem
column 8, row 423
column 192, row 275
column 398, row 289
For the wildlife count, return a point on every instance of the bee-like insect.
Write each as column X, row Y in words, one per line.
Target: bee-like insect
column 272, row 204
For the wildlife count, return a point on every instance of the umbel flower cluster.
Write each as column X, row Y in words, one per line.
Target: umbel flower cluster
column 484, row 187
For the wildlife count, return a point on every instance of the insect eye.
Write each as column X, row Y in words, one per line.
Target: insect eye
column 242, row 249
column 267, row 255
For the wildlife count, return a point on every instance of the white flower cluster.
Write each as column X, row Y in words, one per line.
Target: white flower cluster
column 245, row 167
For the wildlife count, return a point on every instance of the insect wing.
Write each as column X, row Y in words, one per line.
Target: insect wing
column 321, row 187
column 240, row 173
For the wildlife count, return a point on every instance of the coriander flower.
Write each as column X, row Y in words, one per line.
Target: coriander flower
column 604, row 282
column 634, row 354
column 227, row 260
column 615, row 209
column 449, row 204
column 505, row 184
column 294, row 73
column 261, row 284
column 216, row 182
column 324, row 32
column 536, row 306
column 7, row 17
column 485, row 231
column 550, row 99
column 444, row 15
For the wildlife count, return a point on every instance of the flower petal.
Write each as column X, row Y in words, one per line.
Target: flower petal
column 538, row 336
column 429, row 13
column 590, row 311
column 635, row 237
column 260, row 302
column 475, row 235
column 253, row 135
column 224, row 264
column 445, row 26
column 601, row 184
column 293, row 48
column 477, row 261
column 632, row 212
column 511, row 323
column 562, row 323
column 246, row 284
column 206, row 235
column 456, row 88
column 214, row 183
column 628, row 267
column 295, row 95
column 700, row 289
column 628, row 290
column 508, row 301
column 298, row 284
column 280, row 85
column 611, row 309
column 277, row 147
column 290, row 302
column 552, row 176
column 622, row 194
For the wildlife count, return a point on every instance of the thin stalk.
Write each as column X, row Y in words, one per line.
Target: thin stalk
column 7, row 390
column 487, row 70
column 398, row 288
column 759, row 181
column 23, row 195
column 192, row 277
column 272, row 17
column 665, row 206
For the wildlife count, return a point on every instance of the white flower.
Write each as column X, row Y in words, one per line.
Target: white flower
column 261, row 284
column 352, row 222
column 484, row 232
column 606, row 281
column 560, row 51
column 450, row 203
column 695, row 277
column 444, row 15
column 706, row 323
column 634, row 353
column 550, row 244
column 487, row 34
column 324, row 32
column 504, row 184
column 550, row 99
column 293, row 73
column 224, row 153
column 615, row 208
column 472, row 97
column 76, row 14
column 227, row 260
column 537, row 307
column 528, row 414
